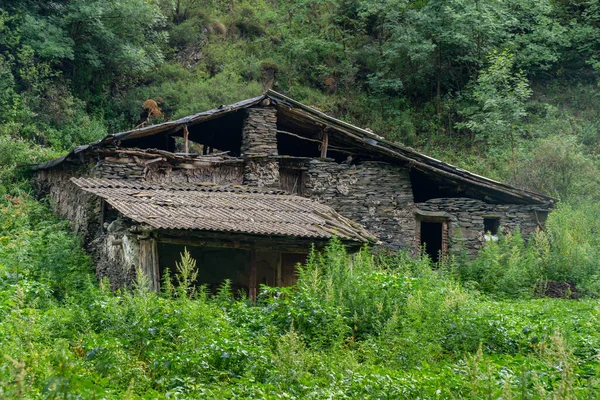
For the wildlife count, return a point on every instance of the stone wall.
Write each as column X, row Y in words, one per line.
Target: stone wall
column 116, row 256
column 465, row 217
column 261, row 172
column 69, row 201
column 259, row 132
column 377, row 195
column 125, row 168
column 230, row 172
column 259, row 141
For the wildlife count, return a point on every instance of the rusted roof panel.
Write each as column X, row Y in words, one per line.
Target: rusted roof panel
column 224, row 209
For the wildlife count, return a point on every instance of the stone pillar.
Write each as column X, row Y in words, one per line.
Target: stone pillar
column 259, row 142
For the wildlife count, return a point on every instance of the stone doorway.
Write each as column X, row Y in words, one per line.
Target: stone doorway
column 433, row 238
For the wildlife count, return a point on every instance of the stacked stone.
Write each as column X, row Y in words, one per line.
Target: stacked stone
column 259, row 132
column 377, row 195
column 70, row 202
column 219, row 174
column 108, row 170
column 259, row 140
column 467, row 215
column 261, row 173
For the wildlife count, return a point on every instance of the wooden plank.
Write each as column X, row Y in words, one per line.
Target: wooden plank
column 324, row 144
column 445, row 239
column 278, row 278
column 253, row 272
column 149, row 262
column 155, row 267
column 186, row 144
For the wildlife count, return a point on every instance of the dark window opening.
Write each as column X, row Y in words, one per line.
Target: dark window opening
column 426, row 187
column 110, row 213
column 223, row 134
column 216, row 264
column 491, row 225
column 432, row 239
column 289, row 145
column 217, row 135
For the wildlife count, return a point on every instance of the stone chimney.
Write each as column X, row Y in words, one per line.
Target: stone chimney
column 259, row 144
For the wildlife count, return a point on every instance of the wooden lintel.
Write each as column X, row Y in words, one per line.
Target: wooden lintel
column 265, row 244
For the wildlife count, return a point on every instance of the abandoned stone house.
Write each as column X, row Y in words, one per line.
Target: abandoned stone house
column 247, row 188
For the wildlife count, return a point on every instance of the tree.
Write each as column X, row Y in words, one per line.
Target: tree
column 434, row 46
column 559, row 167
column 494, row 106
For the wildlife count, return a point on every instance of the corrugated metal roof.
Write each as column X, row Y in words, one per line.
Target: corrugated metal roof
column 224, row 209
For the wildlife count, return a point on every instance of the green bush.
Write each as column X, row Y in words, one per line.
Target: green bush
column 567, row 251
column 364, row 325
column 509, row 267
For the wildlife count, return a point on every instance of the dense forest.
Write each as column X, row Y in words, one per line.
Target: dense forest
column 507, row 89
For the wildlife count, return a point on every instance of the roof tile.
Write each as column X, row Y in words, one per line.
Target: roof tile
column 224, row 209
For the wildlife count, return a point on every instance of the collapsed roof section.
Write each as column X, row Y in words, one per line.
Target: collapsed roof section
column 234, row 209
column 303, row 124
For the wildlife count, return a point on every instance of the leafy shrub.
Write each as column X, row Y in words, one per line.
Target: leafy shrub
column 567, row 251
column 508, row 267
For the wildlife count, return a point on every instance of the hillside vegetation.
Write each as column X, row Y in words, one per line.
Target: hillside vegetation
column 506, row 89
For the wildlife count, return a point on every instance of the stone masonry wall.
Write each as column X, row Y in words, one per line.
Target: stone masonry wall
column 118, row 170
column 259, row 132
column 259, row 141
column 230, row 173
column 116, row 256
column 69, row 201
column 261, row 173
column 466, row 230
column 377, row 195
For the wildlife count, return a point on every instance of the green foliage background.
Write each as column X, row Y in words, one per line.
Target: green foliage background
column 506, row 89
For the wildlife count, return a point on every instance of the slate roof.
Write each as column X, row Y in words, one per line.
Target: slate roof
column 352, row 135
column 224, row 209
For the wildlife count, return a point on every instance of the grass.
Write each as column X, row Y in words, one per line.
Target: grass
column 388, row 328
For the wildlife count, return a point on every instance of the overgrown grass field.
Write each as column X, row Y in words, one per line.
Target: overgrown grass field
column 381, row 326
